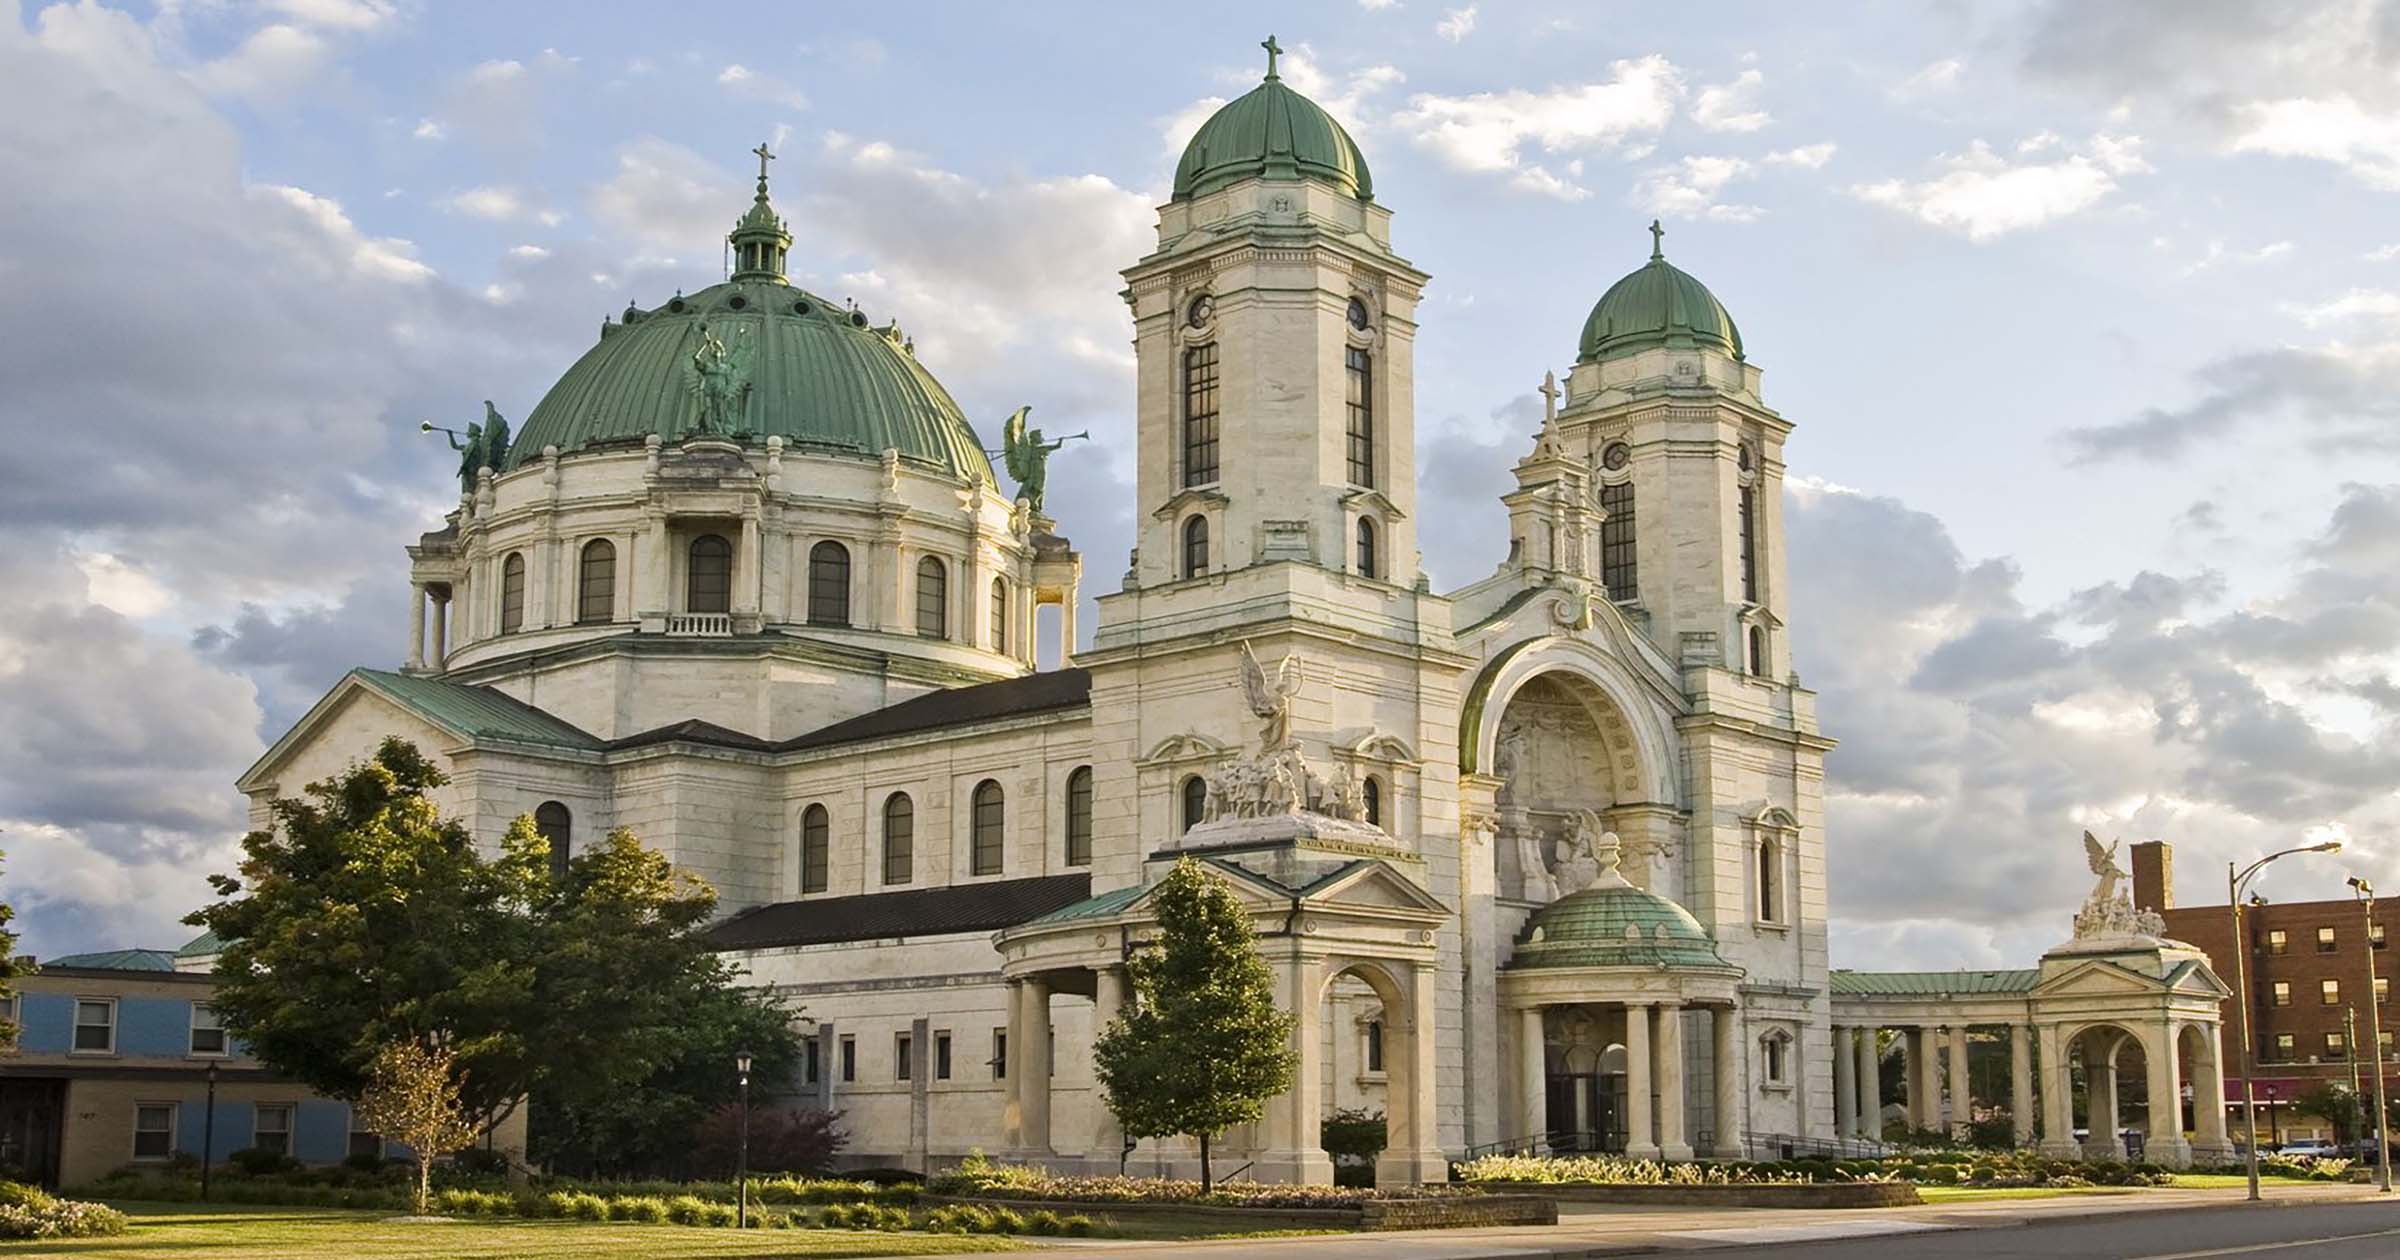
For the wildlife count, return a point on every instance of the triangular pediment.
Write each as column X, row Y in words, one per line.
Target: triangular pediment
column 339, row 706
column 2099, row 978
column 1373, row 884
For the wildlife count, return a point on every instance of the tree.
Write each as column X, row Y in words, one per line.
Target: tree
column 10, row 969
column 1203, row 1045
column 365, row 919
column 2337, row 1104
column 412, row 1097
column 801, row 1140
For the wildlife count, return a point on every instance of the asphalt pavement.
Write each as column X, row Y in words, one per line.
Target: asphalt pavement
column 2330, row 1231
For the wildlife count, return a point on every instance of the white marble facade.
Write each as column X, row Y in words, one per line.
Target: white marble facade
column 1491, row 722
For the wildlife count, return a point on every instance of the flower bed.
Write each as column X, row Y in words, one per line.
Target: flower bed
column 26, row 1212
column 980, row 1180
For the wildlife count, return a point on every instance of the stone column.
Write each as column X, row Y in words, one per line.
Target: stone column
column 1012, row 1067
column 1869, row 1076
column 1962, row 1092
column 2100, row 1094
column 1638, row 1140
column 1033, row 1089
column 1674, row 1137
column 1108, row 1133
column 1533, row 1076
column 1924, row 1079
column 1066, row 631
column 441, row 632
column 920, row 1095
column 1293, row 1150
column 656, row 572
column 829, row 1068
column 746, row 569
column 2166, row 1143
column 1725, row 1023
column 1414, row 1153
column 416, row 625
column 2209, row 1142
column 2020, row 1084
column 1845, row 1084
column 2058, row 1097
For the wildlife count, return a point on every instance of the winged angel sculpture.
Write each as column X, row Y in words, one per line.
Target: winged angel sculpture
column 1028, row 456
column 2109, row 911
column 718, row 377
column 1271, row 698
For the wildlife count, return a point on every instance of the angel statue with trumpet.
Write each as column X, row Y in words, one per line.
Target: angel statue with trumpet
column 1028, row 457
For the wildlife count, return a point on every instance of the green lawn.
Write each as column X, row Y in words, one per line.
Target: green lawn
column 1969, row 1194
column 179, row 1229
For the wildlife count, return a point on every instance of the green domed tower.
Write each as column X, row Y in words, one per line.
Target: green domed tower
column 1657, row 305
column 1276, row 133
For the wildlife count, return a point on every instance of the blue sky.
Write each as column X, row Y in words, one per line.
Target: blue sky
column 2085, row 314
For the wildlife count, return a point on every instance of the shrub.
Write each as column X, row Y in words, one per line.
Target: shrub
column 59, row 1218
column 1007, row 1221
column 1617, row 1170
column 717, row 1214
column 1046, row 1223
column 951, row 1218
column 480, row 1161
column 364, row 1161
column 686, row 1209
column 252, row 1162
column 835, row 1216
column 1080, row 1226
column 585, row 1206
column 18, row 1194
column 782, row 1140
column 648, row 1209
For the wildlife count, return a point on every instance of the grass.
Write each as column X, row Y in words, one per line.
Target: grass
column 1970, row 1194
column 223, row 1233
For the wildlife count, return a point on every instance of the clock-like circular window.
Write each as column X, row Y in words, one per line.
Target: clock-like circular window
column 1616, row 456
column 1358, row 315
column 1198, row 313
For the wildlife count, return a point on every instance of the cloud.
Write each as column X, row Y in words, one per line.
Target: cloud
column 755, row 85
column 2377, row 303
column 1732, row 106
column 1981, row 195
column 1456, row 24
column 2217, row 254
column 1934, row 79
column 340, row 15
column 2342, row 397
column 1689, row 189
column 1492, row 132
column 270, row 65
column 497, row 204
column 2336, row 129
column 1373, row 6
column 1807, row 157
column 505, row 104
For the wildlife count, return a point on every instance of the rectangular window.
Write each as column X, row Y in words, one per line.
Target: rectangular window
column 362, row 1143
column 812, row 1062
column 8, row 1011
column 849, row 1059
column 2383, row 990
column 273, row 1130
column 999, row 1054
column 2374, row 936
column 1374, row 1045
column 2337, row 1046
column 1360, row 369
column 208, row 1035
column 2282, row 1048
column 2384, row 1040
column 2277, row 942
column 153, row 1131
column 900, row 1064
column 2329, row 992
column 941, row 1056
column 1200, row 415
column 1618, row 570
column 1749, row 525
column 2283, row 993
column 95, row 1026
column 2325, row 941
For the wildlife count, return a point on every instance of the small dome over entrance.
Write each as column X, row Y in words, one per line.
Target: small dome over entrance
column 1611, row 923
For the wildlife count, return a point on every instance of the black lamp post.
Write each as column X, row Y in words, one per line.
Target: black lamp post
column 208, row 1132
column 741, row 1150
column 2241, row 972
column 2383, row 1111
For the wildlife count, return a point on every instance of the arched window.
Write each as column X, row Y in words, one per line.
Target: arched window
column 1775, row 1057
column 1360, row 367
column 1366, row 547
column 555, row 823
column 1000, row 615
column 1758, row 651
column 512, row 593
column 1374, row 1054
column 1195, row 802
column 829, row 584
column 1195, row 546
column 708, row 583
column 1372, row 791
column 1770, row 880
column 1200, row 415
column 816, row 848
column 984, row 854
column 933, row 598
column 899, row 838
column 596, row 582
column 1749, row 527
column 1079, row 817
column 1619, row 572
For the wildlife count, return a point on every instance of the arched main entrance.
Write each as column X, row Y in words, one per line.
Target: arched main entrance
column 1381, row 1008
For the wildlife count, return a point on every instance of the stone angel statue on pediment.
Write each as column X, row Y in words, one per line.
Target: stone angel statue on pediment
column 1270, row 697
column 2103, row 862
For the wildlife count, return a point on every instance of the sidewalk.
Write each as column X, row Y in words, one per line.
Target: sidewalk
column 1585, row 1230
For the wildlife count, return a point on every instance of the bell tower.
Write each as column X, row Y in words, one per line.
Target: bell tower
column 1274, row 332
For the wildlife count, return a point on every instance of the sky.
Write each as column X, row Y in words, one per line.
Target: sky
column 2088, row 317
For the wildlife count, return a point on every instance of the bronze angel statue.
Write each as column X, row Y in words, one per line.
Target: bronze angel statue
column 1027, row 456
column 1271, row 697
column 718, row 377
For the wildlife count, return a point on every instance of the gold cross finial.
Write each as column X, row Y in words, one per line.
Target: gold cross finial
column 1273, row 49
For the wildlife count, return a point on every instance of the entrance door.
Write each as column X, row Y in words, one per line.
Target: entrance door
column 31, row 1113
column 1585, row 1111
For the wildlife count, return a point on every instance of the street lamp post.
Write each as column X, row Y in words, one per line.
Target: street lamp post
column 741, row 1150
column 2241, row 969
column 2383, row 1111
column 208, row 1132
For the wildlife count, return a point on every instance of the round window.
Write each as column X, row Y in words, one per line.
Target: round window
column 1198, row 313
column 1616, row 456
column 1358, row 315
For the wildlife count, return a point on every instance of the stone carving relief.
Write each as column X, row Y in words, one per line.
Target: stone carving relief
column 1278, row 780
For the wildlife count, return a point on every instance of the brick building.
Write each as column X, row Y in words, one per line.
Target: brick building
column 2308, row 988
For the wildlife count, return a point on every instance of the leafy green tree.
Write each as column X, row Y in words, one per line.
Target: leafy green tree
column 1203, row 1045
column 412, row 1097
column 10, row 969
column 365, row 920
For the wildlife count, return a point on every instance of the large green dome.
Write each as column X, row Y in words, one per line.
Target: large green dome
column 1275, row 132
column 1658, row 305
column 1611, row 923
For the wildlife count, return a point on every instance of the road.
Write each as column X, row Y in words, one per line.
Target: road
column 2329, row 1231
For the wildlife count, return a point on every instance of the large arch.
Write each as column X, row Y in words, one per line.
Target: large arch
column 1412, row 1148
column 1596, row 676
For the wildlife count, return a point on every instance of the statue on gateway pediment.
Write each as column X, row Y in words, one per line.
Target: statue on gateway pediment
column 2109, row 909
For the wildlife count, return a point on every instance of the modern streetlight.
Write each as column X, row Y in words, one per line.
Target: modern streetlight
column 741, row 1150
column 2383, row 1111
column 208, row 1132
column 2241, row 970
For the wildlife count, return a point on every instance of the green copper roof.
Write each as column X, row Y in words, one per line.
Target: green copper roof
column 201, row 946
column 1102, row 906
column 478, row 712
column 1657, row 305
column 1930, row 983
column 1275, row 132
column 117, row 960
column 1613, row 924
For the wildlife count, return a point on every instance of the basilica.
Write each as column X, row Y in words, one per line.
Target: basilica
column 1538, row 860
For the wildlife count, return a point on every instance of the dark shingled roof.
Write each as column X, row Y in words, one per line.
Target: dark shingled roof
column 958, row 706
column 986, row 907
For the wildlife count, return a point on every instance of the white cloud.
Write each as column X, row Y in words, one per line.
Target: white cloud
column 1350, row 97
column 1179, row 127
column 1373, row 6
column 268, row 66
column 497, row 204
column 1934, row 79
column 1491, row 132
column 385, row 258
column 755, row 85
column 1732, row 106
column 2363, row 141
column 340, row 15
column 1981, row 195
column 428, row 129
column 1456, row 24
column 2382, row 253
column 2216, row 253
column 1689, row 189
column 528, row 251
column 1806, row 157
column 2375, row 303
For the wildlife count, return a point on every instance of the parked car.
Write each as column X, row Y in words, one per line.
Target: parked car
column 2314, row 1148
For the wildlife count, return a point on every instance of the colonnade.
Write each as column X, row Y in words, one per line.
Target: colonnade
column 1858, row 1080
column 1656, row 1126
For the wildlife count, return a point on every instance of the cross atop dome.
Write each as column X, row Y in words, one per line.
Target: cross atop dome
column 1273, row 50
column 759, row 237
column 1657, row 234
column 764, row 157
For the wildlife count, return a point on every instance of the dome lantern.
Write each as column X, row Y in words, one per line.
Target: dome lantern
column 1274, row 132
column 1657, row 305
column 759, row 238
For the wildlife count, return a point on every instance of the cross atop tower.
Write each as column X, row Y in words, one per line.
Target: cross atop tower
column 1657, row 235
column 1273, row 49
column 764, row 157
